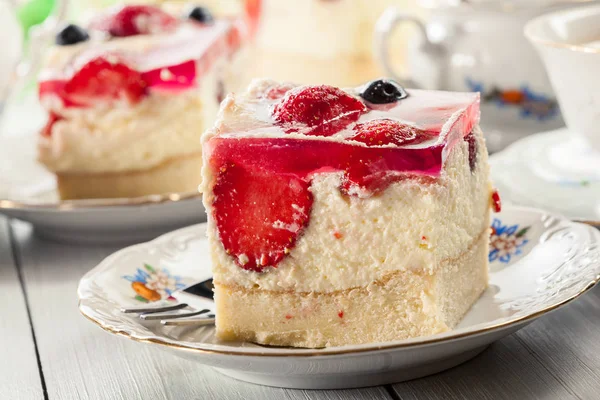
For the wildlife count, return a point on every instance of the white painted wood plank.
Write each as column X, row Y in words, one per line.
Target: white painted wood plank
column 83, row 362
column 506, row 370
column 567, row 344
column 19, row 374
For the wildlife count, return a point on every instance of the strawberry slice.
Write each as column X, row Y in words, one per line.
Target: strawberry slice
column 386, row 131
column 105, row 78
column 259, row 215
column 325, row 109
column 135, row 20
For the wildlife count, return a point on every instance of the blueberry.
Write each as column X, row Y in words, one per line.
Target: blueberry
column 71, row 34
column 383, row 91
column 201, row 14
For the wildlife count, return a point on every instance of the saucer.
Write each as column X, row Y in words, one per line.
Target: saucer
column 538, row 262
column 28, row 192
column 553, row 171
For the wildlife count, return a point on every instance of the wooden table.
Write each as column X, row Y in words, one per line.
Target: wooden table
column 49, row 351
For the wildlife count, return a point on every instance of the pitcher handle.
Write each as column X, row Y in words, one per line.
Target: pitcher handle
column 38, row 39
column 386, row 24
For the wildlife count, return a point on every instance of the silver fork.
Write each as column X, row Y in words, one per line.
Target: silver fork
column 193, row 301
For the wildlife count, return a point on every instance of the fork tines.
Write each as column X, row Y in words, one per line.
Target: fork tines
column 155, row 309
column 169, row 316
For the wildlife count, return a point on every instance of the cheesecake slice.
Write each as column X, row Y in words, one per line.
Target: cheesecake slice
column 350, row 216
column 129, row 95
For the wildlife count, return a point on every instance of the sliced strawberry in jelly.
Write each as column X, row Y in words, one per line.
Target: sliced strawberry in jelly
column 258, row 215
column 135, row 20
column 324, row 109
column 303, row 158
column 386, row 131
column 105, row 79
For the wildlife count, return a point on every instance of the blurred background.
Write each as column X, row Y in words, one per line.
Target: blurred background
column 474, row 45
column 456, row 45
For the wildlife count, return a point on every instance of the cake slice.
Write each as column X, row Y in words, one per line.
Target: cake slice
column 340, row 217
column 129, row 96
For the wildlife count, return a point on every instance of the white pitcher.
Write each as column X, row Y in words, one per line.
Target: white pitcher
column 479, row 46
column 15, row 68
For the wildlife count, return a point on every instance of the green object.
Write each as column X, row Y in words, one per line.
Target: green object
column 33, row 13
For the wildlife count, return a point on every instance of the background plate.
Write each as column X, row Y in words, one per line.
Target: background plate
column 28, row 192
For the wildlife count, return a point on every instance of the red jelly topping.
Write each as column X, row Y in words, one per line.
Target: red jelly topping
column 102, row 79
column 369, row 168
column 325, row 109
column 496, row 202
column 174, row 77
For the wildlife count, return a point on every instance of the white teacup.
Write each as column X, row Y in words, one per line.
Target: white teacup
column 569, row 44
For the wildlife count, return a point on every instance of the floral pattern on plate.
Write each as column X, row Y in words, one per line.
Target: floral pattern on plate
column 531, row 104
column 506, row 241
column 152, row 284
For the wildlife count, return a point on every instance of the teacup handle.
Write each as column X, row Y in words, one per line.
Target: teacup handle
column 38, row 38
column 386, row 24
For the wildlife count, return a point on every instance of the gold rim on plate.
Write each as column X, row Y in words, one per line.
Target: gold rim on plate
column 66, row 205
column 529, row 27
column 331, row 351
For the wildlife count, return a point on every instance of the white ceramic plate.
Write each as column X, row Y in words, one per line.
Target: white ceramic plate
column 538, row 263
column 553, row 171
column 28, row 192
